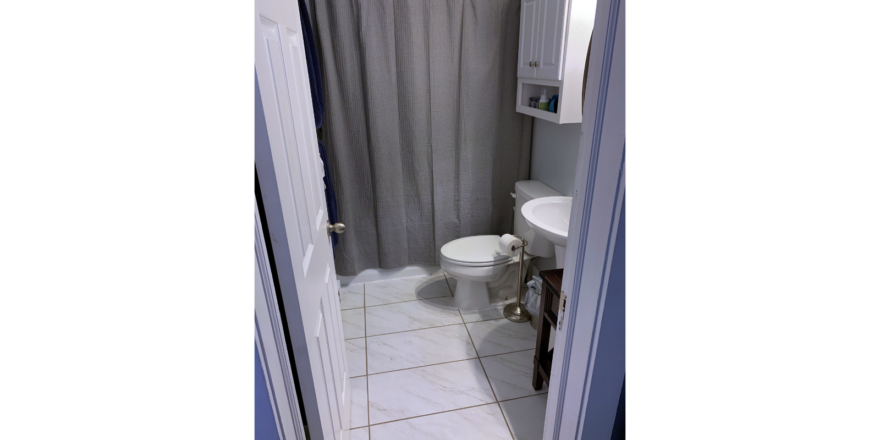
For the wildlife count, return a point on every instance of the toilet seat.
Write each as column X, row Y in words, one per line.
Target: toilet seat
column 476, row 251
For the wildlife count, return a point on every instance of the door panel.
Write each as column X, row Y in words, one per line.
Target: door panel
column 528, row 28
column 312, row 305
column 273, row 364
column 550, row 47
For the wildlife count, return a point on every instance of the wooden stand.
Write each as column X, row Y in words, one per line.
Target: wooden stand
column 551, row 286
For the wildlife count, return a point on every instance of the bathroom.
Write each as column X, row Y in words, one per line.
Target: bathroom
column 449, row 135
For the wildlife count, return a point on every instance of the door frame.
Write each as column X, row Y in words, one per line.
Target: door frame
column 600, row 186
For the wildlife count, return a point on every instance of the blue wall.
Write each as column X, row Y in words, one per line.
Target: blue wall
column 264, row 416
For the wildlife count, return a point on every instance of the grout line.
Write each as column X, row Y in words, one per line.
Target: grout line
column 502, row 354
column 411, row 330
column 448, row 286
column 422, row 366
column 523, row 397
column 481, row 363
column 366, row 362
column 505, row 419
column 447, row 362
column 407, row 301
column 438, row 412
column 456, row 409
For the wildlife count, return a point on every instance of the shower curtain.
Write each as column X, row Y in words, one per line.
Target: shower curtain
column 420, row 124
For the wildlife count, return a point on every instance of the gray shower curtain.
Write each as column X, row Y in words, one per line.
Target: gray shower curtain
column 420, row 124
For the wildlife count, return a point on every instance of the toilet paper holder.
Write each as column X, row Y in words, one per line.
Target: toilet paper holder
column 517, row 312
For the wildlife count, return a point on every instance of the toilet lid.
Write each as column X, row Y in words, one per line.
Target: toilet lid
column 479, row 250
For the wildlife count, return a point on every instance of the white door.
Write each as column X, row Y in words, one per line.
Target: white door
column 550, row 43
column 528, row 33
column 312, row 307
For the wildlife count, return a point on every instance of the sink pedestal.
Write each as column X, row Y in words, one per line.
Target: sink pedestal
column 560, row 257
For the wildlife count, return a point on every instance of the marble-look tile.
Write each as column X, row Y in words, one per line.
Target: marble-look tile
column 353, row 323
column 478, row 423
column 356, row 351
column 406, row 289
column 418, row 348
column 511, row 374
column 483, row 315
column 412, row 315
column 526, row 416
column 359, row 434
column 427, row 390
column 351, row 296
column 502, row 336
column 359, row 401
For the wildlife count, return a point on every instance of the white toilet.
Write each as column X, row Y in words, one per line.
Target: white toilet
column 485, row 274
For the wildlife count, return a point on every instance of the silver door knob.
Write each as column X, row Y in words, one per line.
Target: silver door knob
column 335, row 227
column 536, row 64
column 531, row 64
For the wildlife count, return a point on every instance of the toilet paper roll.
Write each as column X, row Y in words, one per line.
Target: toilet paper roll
column 507, row 243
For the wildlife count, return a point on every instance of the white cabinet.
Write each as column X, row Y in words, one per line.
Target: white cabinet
column 528, row 36
column 541, row 39
column 554, row 36
column 548, row 60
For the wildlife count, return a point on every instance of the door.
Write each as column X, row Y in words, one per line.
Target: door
column 528, row 33
column 290, row 174
column 276, row 410
column 551, row 39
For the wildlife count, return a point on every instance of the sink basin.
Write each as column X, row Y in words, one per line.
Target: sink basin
column 549, row 217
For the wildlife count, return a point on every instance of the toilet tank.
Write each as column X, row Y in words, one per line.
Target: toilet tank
column 527, row 190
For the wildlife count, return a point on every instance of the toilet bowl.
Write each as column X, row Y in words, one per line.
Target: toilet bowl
column 484, row 273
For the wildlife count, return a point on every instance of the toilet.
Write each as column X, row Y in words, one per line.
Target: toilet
column 484, row 273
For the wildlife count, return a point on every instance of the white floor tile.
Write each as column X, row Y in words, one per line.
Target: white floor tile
column 478, row 423
column 411, row 315
column 356, row 352
column 352, row 296
column 526, row 416
column 483, row 315
column 406, row 289
column 353, row 323
column 418, row 348
column 427, row 390
column 511, row 374
column 502, row 336
column 359, row 434
column 359, row 401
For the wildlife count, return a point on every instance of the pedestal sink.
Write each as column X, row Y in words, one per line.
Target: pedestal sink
column 549, row 217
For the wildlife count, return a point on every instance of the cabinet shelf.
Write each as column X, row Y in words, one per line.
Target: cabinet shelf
column 542, row 114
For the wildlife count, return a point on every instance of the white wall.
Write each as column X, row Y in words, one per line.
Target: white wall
column 555, row 154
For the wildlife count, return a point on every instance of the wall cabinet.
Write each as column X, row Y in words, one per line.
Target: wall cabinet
column 541, row 39
column 554, row 36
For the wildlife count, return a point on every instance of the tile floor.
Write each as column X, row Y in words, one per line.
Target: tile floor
column 422, row 369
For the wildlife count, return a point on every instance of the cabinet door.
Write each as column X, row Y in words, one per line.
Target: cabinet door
column 551, row 39
column 528, row 38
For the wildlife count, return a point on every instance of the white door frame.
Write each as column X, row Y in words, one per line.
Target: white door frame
column 596, row 207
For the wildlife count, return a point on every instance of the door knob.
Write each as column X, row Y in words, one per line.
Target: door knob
column 531, row 64
column 335, row 227
column 536, row 64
